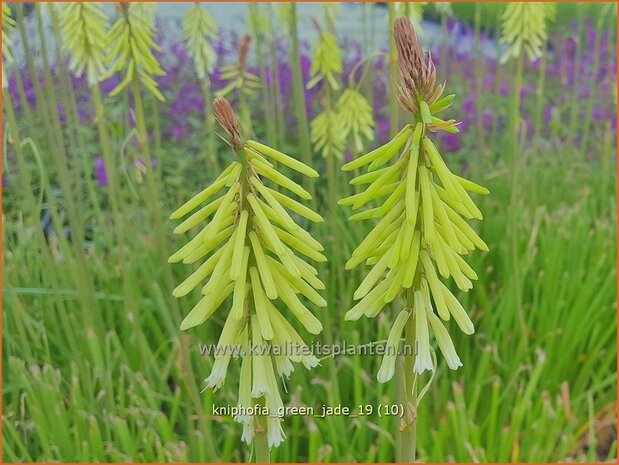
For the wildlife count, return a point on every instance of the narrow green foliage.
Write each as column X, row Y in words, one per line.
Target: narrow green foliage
column 199, row 31
column 84, row 30
column 131, row 49
column 250, row 247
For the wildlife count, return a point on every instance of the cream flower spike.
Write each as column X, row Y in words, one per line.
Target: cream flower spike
column 252, row 251
column 421, row 208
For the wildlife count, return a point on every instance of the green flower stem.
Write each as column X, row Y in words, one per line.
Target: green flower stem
column 479, row 72
column 408, row 432
column 76, row 139
column 514, row 168
column 106, row 150
column 393, row 102
column 592, row 96
column 541, row 84
column 24, row 174
column 210, row 149
column 575, row 120
column 299, row 96
column 261, row 446
column 23, row 100
column 265, row 90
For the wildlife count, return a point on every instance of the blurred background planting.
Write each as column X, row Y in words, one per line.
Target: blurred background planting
column 98, row 151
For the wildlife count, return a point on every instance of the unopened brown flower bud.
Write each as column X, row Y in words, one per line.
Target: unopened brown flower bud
column 225, row 117
column 416, row 71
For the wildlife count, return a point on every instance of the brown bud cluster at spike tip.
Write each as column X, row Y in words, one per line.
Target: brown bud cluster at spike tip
column 417, row 74
column 244, row 50
column 227, row 120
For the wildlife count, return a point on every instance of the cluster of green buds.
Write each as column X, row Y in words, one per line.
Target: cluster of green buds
column 199, row 30
column 8, row 24
column 84, row 30
column 250, row 250
column 131, row 48
column 421, row 208
column 524, row 29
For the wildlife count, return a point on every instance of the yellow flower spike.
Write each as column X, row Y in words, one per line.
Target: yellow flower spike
column 326, row 62
column 84, row 30
column 199, row 30
column 421, row 234
column 8, row 24
column 524, row 29
column 132, row 43
column 356, row 117
column 327, row 134
column 248, row 250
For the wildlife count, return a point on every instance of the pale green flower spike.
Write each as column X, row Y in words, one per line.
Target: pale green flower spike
column 251, row 250
column 326, row 62
column 131, row 46
column 84, row 30
column 524, row 29
column 8, row 24
column 356, row 117
column 199, row 30
column 328, row 134
column 421, row 208
column 237, row 76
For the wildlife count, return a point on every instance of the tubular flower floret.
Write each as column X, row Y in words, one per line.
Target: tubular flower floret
column 254, row 256
column 421, row 234
column 131, row 48
column 199, row 29
column 84, row 30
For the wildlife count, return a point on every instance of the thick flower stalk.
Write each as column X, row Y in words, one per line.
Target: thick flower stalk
column 8, row 24
column 131, row 48
column 84, row 31
column 252, row 251
column 421, row 208
column 199, row 30
column 524, row 29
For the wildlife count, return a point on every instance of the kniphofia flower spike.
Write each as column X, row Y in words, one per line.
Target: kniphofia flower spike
column 252, row 251
column 421, row 207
